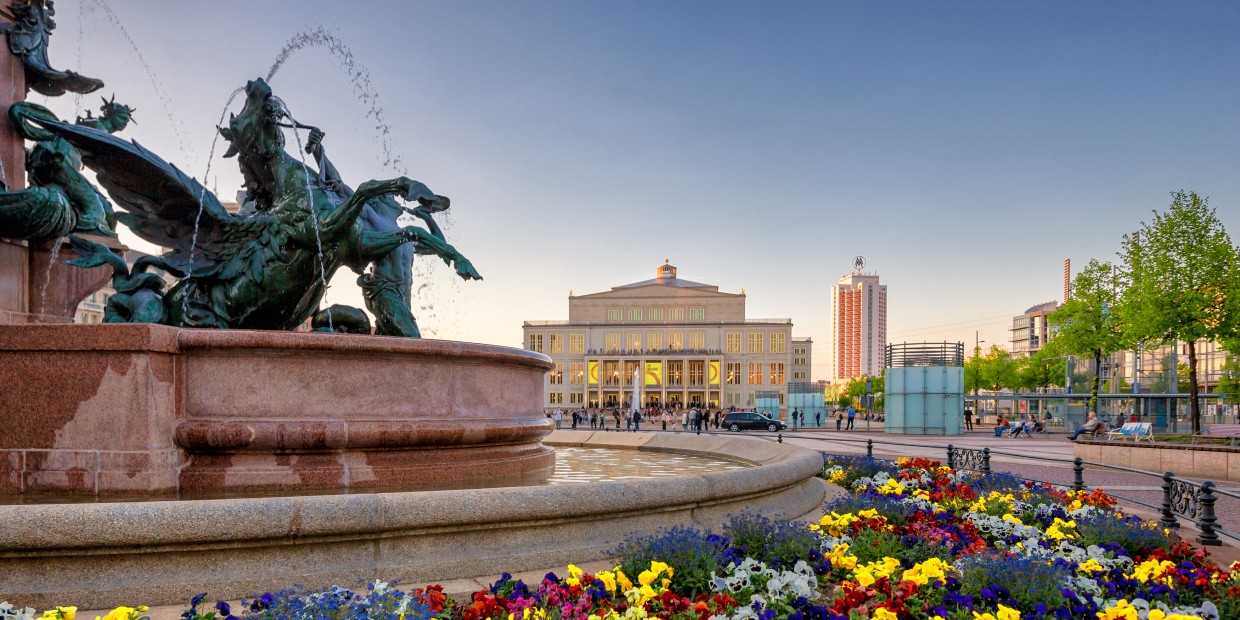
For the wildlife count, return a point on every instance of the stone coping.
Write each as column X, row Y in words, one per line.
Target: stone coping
column 1160, row 445
column 106, row 554
column 164, row 339
column 1198, row 463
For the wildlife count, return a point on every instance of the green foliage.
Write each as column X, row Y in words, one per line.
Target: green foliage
column 1185, row 281
column 1090, row 324
column 1030, row 581
column 1044, row 368
column 1229, row 380
column 872, row 546
column 778, row 543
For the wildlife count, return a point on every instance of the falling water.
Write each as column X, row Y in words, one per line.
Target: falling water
column 359, row 78
column 202, row 195
column 424, row 271
column 47, row 275
column 4, row 176
column 314, row 216
column 164, row 100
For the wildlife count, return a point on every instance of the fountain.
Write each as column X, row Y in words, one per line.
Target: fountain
column 282, row 457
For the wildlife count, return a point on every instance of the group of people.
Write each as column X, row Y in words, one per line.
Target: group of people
column 1027, row 425
column 692, row 419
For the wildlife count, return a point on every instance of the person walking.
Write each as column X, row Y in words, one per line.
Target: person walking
column 852, row 417
column 968, row 419
column 684, row 421
column 559, row 418
column 637, row 420
column 666, row 417
column 839, row 418
column 818, row 417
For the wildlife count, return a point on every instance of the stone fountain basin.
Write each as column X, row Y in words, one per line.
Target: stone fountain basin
column 106, row 554
column 152, row 411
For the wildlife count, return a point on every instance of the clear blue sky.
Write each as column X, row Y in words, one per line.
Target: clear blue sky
column 965, row 148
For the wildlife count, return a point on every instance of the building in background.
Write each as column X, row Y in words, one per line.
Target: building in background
column 802, row 356
column 1031, row 331
column 688, row 341
column 858, row 325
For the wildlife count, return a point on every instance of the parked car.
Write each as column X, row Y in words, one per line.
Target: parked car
column 737, row 421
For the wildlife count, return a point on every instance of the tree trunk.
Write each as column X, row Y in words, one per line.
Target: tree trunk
column 1193, row 404
column 1093, row 399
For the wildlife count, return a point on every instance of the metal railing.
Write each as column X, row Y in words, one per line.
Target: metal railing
column 925, row 354
column 1181, row 497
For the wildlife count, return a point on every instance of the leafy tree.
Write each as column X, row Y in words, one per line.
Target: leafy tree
column 996, row 370
column 1185, row 280
column 1045, row 368
column 1090, row 323
column 1229, row 381
column 1162, row 385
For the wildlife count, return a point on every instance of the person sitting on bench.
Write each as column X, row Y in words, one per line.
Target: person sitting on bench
column 1090, row 426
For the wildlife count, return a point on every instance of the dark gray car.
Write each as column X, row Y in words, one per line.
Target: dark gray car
column 737, row 421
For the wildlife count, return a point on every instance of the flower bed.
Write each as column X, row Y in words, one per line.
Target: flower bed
column 913, row 541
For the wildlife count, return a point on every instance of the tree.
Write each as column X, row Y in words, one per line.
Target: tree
column 1184, row 282
column 1090, row 323
column 1045, row 368
column 997, row 370
column 1229, row 380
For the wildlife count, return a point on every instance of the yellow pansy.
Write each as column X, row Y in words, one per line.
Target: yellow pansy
column 922, row 493
column 574, row 575
column 1007, row 613
column 864, row 577
column 623, row 580
column 840, row 559
column 609, row 580
column 977, row 616
column 882, row 613
column 123, row 613
column 60, row 613
column 891, row 487
column 1060, row 529
column 1091, row 566
column 1013, row 519
column 1158, row 571
column 1121, row 610
column 837, row 476
column 836, row 524
column 929, row 571
column 1158, row 614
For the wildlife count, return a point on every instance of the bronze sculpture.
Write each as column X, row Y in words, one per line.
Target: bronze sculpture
column 28, row 38
column 267, row 270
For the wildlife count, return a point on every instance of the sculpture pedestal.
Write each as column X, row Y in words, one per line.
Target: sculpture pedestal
column 149, row 410
column 24, row 274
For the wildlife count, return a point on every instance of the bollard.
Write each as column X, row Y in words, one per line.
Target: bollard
column 779, row 438
column 986, row 461
column 1078, row 474
column 951, row 456
column 1206, row 518
column 869, row 448
column 1168, row 517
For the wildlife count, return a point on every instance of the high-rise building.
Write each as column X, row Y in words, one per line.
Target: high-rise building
column 858, row 326
column 1031, row 330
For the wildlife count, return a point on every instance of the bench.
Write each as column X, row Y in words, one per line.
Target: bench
column 1229, row 431
column 1136, row 430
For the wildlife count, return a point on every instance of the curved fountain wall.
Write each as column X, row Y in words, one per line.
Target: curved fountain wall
column 149, row 411
column 102, row 555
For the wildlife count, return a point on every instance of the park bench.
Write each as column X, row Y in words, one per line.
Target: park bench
column 1136, row 430
column 1229, row 431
